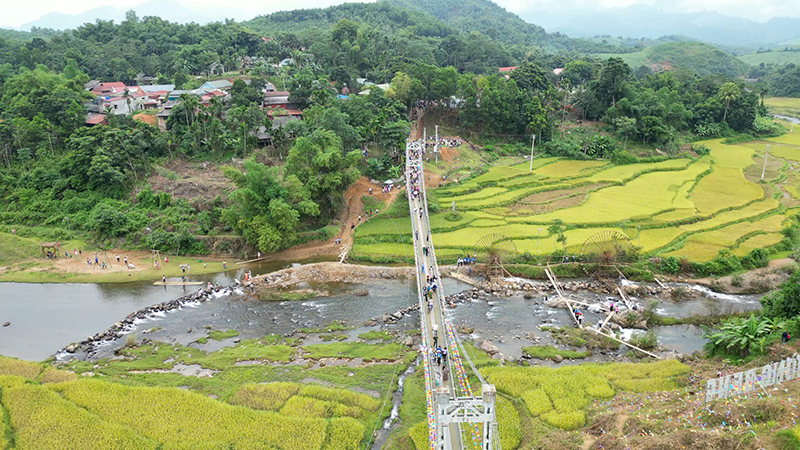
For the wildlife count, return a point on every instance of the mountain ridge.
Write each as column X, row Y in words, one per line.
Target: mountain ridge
column 645, row 21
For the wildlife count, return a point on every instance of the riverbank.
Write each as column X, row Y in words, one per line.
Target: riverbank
column 77, row 270
column 297, row 277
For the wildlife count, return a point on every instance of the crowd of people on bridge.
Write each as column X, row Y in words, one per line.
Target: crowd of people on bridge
column 436, row 353
column 449, row 142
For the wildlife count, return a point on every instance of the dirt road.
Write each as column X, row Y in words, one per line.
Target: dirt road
column 353, row 207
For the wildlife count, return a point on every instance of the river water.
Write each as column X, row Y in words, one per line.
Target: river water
column 793, row 120
column 46, row 317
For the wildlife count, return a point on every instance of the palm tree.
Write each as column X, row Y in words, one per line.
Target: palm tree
column 727, row 93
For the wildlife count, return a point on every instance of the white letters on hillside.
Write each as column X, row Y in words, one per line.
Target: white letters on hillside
column 744, row 382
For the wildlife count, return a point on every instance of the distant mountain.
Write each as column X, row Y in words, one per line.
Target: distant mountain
column 166, row 9
column 645, row 21
column 705, row 59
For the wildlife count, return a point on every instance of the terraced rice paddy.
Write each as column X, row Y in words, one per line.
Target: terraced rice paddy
column 238, row 408
column 691, row 208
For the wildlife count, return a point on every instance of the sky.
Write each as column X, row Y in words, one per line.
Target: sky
column 19, row 12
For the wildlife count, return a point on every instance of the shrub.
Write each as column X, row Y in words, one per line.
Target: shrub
column 645, row 341
column 452, row 216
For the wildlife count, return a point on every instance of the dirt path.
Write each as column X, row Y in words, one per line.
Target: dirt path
column 353, row 207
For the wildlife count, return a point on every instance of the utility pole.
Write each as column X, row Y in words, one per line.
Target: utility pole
column 436, row 145
column 764, row 170
column 70, row 227
column 538, row 238
column 533, row 144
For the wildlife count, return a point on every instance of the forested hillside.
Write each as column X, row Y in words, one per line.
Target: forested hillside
column 704, row 59
column 56, row 171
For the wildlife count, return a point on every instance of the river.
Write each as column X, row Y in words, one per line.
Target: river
column 46, row 317
column 793, row 120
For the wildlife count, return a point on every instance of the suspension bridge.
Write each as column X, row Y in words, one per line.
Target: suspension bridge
column 458, row 416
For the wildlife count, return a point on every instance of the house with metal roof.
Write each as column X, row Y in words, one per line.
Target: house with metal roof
column 216, row 84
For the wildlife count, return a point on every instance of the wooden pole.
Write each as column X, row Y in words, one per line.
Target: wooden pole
column 607, row 319
column 625, row 343
column 561, row 296
column 624, row 298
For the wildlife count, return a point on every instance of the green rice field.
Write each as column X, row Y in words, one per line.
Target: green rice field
column 685, row 207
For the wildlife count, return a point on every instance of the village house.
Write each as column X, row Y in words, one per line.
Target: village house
column 276, row 99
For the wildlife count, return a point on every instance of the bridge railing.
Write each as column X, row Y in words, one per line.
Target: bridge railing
column 422, row 308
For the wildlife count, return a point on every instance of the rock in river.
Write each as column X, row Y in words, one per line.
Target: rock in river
column 487, row 346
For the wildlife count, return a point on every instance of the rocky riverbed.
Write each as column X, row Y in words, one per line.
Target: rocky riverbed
column 117, row 331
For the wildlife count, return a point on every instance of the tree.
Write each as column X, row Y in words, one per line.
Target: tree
column 392, row 135
column 728, row 92
column 785, row 302
column 625, row 127
column 530, row 77
column 536, row 115
column 400, row 89
column 323, row 168
column 556, row 229
column 579, row 72
column 613, row 79
column 652, row 129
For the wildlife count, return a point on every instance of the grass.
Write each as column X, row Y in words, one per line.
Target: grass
column 220, row 335
column 368, row 352
column 374, row 335
column 549, row 352
column 333, row 326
